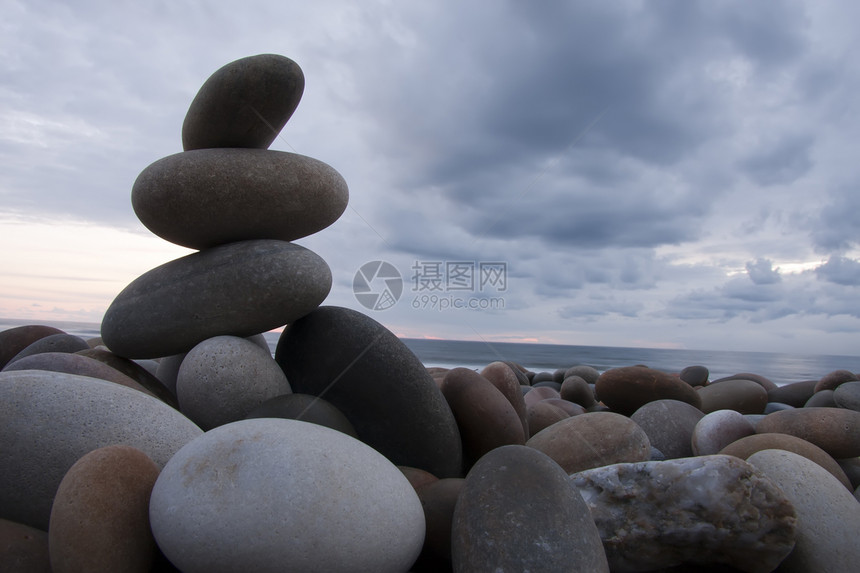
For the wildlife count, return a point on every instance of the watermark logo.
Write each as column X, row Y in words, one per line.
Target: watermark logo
column 377, row 285
column 438, row 285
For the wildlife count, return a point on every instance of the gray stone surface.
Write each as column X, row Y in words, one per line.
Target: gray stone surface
column 245, row 103
column 517, row 512
column 51, row 419
column 717, row 430
column 225, row 377
column 741, row 395
column 209, row 197
column 669, row 425
column 834, row 430
column 52, row 343
column 624, row 390
column 847, row 395
column 74, row 364
column 23, row 549
column 702, row 510
column 305, row 408
column 14, row 340
column 382, row 388
column 282, row 495
column 828, row 515
column 238, row 289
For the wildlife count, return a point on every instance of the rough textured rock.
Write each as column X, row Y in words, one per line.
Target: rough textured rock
column 741, row 395
column 516, row 512
column 100, row 516
column 702, row 510
column 305, row 408
column 747, row 446
column 485, row 417
column 296, row 496
column 592, row 440
column 627, row 389
column 52, row 343
column 51, row 419
column 225, row 377
column 260, row 285
column 14, row 340
column 367, row 373
column 245, row 103
column 828, row 516
column 200, row 199
column 847, row 395
column 717, row 430
column 23, row 549
column 834, row 430
column 669, row 425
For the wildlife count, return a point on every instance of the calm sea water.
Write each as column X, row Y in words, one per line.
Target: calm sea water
column 781, row 368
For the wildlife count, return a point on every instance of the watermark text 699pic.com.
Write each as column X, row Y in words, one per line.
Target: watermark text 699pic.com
column 436, row 285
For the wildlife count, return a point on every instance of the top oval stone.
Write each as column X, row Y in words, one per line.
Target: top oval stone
column 246, row 103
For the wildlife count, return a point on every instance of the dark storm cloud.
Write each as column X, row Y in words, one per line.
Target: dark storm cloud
column 840, row 270
column 761, row 272
column 782, row 162
column 834, row 228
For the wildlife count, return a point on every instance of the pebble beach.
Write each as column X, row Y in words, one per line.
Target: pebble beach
column 177, row 441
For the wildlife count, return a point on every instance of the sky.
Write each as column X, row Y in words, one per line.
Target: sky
column 668, row 174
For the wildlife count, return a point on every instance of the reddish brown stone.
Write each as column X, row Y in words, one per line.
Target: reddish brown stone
column 742, row 395
column 438, row 500
column 576, row 389
column 100, row 517
column 832, row 380
column 417, row 477
column 484, row 416
column 536, row 394
column 624, row 390
column 503, row 378
column 14, row 340
column 834, row 430
column 593, row 440
column 747, row 446
column 23, row 549
column 795, row 394
column 542, row 415
column 765, row 383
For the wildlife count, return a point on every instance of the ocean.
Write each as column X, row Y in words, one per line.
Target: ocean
column 778, row 367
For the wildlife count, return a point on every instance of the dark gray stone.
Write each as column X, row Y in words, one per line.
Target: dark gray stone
column 74, row 364
column 14, row 340
column 587, row 373
column 52, row 343
column 305, row 408
column 669, row 425
column 795, row 394
column 238, row 289
column 847, row 395
column 695, row 375
column 517, row 512
column 209, row 197
column 245, row 103
column 382, row 388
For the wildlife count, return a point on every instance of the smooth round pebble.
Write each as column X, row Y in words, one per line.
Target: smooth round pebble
column 74, row 364
column 245, row 103
column 503, row 378
column 261, row 285
column 795, row 394
column 822, row 399
column 134, row 371
column 762, row 381
column 52, row 343
column 14, row 340
column 847, row 395
column 834, row 430
column 100, row 516
column 517, row 512
column 695, row 375
column 742, row 395
column 716, row 430
column 832, row 380
column 438, row 500
column 225, row 377
column 542, row 415
column 587, row 373
column 669, row 425
column 537, row 393
column 305, row 408
column 624, row 390
column 828, row 516
column 293, row 496
column 592, row 440
column 23, row 549
column 576, row 389
column 51, row 419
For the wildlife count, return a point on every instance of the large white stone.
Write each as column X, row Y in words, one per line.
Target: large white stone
column 51, row 419
column 828, row 516
column 283, row 495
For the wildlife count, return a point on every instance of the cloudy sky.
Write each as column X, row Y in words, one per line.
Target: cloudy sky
column 660, row 174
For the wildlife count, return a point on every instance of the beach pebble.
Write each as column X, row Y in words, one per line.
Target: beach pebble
column 716, row 430
column 851, row 467
column 282, row 495
column 168, row 370
column 486, row 418
column 134, row 371
column 517, row 512
column 833, row 380
column 52, row 343
column 741, row 395
column 200, row 199
column 225, row 377
column 834, row 430
column 503, row 378
column 626, row 389
column 535, row 394
column 822, row 399
column 772, row 407
column 703, row 510
column 695, row 375
column 795, row 394
column 74, row 364
column 762, row 381
column 847, row 395
column 239, row 289
column 576, row 389
column 100, row 516
column 569, row 407
column 542, row 415
column 418, row 478
column 305, row 408
column 245, row 103
column 23, row 549
column 828, row 516
column 541, row 377
column 382, row 388
column 51, row 419
column 669, row 425
column 438, row 500
column 587, row 373
column 14, row 340
column 592, row 440
column 748, row 445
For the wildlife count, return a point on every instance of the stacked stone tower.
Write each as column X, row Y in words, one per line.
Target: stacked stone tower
column 240, row 204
